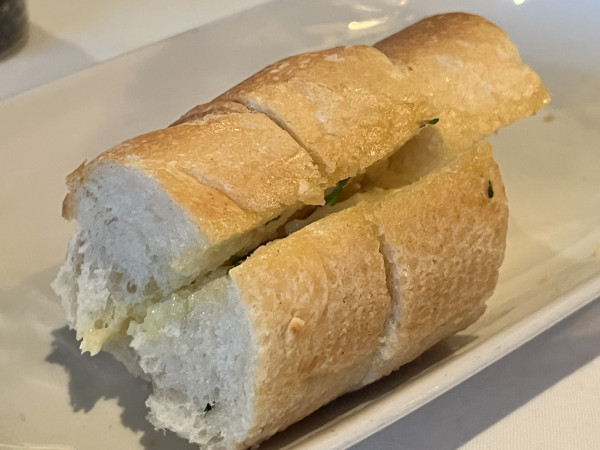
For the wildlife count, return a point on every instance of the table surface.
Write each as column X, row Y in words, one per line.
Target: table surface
column 543, row 395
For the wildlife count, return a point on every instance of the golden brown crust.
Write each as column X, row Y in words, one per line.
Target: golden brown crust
column 471, row 72
column 215, row 170
column 444, row 237
column 210, row 111
column 321, row 299
column 245, row 156
column 348, row 106
column 318, row 300
column 74, row 180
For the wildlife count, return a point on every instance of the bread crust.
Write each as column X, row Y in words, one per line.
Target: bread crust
column 471, row 72
column 214, row 169
column 353, row 296
column 318, row 310
column 347, row 106
column 209, row 111
column 444, row 239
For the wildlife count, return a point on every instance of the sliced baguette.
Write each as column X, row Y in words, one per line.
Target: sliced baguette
column 336, row 305
column 156, row 212
column 338, row 299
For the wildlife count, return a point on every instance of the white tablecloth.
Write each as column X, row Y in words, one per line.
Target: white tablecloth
column 545, row 395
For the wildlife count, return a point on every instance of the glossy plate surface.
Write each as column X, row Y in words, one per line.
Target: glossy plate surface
column 51, row 396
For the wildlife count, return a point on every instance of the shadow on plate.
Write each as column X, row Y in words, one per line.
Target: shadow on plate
column 471, row 408
column 102, row 377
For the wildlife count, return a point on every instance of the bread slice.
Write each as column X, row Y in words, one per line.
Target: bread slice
column 443, row 243
column 332, row 307
column 348, row 106
column 476, row 83
column 471, row 72
column 156, row 212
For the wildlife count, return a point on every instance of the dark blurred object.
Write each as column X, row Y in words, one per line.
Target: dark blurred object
column 13, row 25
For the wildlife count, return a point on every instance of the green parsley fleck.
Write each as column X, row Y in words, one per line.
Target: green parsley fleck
column 423, row 123
column 334, row 193
column 490, row 189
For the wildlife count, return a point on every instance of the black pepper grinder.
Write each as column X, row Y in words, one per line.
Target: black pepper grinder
column 13, row 25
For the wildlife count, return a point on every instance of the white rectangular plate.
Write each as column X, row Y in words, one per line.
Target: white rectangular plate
column 54, row 396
